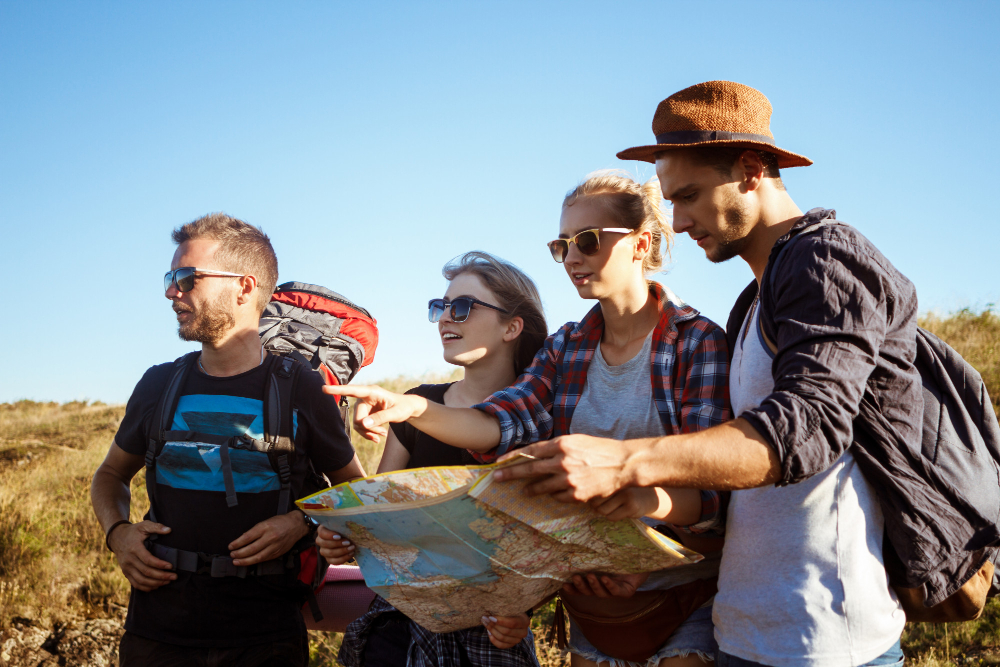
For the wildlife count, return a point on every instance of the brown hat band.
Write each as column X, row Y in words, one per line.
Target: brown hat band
column 700, row 136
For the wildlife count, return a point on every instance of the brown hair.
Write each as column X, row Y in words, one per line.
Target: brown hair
column 722, row 159
column 242, row 249
column 516, row 293
column 633, row 206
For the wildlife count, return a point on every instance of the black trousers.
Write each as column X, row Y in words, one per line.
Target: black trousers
column 136, row 651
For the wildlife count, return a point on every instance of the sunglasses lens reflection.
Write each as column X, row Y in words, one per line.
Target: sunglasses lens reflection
column 460, row 309
column 588, row 242
column 185, row 279
column 435, row 309
column 558, row 249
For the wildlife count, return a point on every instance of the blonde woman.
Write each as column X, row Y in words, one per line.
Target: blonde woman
column 641, row 363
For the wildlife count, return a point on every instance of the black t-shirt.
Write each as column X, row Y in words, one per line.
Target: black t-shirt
column 196, row 609
column 424, row 450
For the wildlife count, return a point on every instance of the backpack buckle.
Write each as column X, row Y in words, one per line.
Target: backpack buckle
column 222, row 566
column 285, row 368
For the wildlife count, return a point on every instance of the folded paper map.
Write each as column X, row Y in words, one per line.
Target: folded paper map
column 448, row 545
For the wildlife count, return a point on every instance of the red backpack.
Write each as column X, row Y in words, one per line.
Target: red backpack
column 327, row 331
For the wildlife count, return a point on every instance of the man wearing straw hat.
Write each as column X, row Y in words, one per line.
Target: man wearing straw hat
column 802, row 579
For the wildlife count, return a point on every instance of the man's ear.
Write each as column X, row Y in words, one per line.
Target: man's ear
column 751, row 171
column 514, row 328
column 247, row 291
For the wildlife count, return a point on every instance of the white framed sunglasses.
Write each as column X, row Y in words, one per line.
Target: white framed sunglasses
column 588, row 241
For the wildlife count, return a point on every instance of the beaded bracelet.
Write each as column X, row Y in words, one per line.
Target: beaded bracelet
column 107, row 537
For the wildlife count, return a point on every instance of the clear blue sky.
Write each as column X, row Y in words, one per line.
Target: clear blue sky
column 374, row 142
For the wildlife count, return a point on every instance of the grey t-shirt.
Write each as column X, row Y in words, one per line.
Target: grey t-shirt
column 802, row 580
column 617, row 402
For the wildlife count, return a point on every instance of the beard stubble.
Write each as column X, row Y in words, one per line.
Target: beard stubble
column 735, row 237
column 211, row 323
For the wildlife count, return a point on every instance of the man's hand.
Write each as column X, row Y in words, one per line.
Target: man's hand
column 268, row 539
column 506, row 631
column 631, row 503
column 575, row 467
column 376, row 407
column 335, row 549
column 142, row 569
column 605, row 585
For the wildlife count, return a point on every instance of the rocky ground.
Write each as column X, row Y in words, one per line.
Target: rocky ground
column 75, row 643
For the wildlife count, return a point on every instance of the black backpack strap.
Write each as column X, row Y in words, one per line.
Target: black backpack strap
column 218, row 566
column 162, row 420
column 227, row 475
column 738, row 314
column 278, row 424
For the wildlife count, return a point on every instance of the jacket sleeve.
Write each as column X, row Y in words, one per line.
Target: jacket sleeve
column 702, row 373
column 524, row 409
column 828, row 305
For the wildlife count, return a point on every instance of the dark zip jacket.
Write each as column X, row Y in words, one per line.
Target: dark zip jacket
column 844, row 321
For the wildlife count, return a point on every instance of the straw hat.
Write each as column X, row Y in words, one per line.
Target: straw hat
column 714, row 113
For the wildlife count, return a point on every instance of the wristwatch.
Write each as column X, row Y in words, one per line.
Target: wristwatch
column 311, row 524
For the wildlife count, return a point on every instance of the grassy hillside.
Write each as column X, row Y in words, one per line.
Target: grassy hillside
column 62, row 597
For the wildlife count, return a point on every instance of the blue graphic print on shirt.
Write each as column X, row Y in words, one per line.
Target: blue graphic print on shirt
column 198, row 465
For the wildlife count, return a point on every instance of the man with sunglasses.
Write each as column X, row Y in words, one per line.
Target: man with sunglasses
column 832, row 326
column 213, row 580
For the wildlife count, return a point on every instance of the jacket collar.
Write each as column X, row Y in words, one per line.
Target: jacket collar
column 811, row 217
column 670, row 306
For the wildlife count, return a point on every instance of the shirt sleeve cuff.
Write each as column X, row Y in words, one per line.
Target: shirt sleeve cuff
column 506, row 432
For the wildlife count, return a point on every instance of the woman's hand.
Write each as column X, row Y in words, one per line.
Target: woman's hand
column 376, row 407
column 335, row 549
column 506, row 631
column 605, row 585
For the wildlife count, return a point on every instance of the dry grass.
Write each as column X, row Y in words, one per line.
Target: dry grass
column 52, row 558
column 54, row 567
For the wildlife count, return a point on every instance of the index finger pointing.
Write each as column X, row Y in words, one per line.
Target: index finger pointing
column 355, row 391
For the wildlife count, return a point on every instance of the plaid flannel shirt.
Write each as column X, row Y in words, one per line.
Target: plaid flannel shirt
column 690, row 384
column 433, row 649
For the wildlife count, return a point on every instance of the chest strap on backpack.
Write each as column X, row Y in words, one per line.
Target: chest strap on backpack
column 278, row 426
column 215, row 566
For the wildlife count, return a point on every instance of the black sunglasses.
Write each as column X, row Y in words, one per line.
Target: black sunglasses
column 184, row 277
column 460, row 308
column 588, row 241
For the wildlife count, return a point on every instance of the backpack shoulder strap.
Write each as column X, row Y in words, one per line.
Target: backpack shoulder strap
column 279, row 431
column 162, row 419
column 738, row 314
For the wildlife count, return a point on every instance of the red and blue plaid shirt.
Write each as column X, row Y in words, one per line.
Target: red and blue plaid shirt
column 690, row 383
